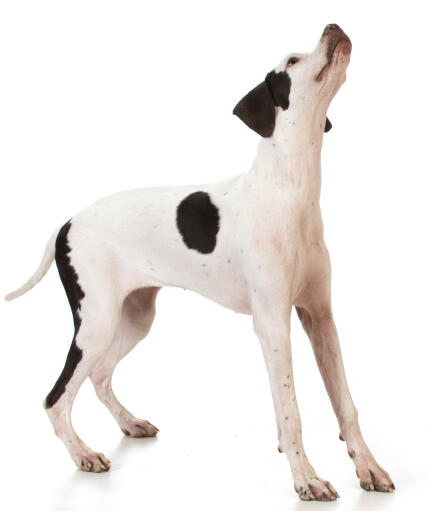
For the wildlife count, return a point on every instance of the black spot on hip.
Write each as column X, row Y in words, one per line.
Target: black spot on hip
column 198, row 219
column 75, row 294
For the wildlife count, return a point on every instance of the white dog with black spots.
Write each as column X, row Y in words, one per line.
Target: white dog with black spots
column 253, row 243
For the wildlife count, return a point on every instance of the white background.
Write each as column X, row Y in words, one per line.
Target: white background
column 97, row 97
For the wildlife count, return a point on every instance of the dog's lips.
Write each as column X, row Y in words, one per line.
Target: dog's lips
column 344, row 45
column 342, row 41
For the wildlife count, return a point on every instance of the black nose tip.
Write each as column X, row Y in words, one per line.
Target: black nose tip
column 333, row 26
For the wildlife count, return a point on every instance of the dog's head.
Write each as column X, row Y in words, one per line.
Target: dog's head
column 301, row 85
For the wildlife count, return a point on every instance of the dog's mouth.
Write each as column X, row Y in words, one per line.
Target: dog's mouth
column 338, row 44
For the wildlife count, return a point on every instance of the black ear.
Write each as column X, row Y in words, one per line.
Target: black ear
column 279, row 87
column 256, row 110
column 328, row 125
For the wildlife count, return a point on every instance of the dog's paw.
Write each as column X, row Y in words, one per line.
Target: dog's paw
column 138, row 428
column 316, row 489
column 93, row 462
column 372, row 477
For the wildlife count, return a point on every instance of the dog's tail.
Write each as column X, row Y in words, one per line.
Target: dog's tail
column 45, row 264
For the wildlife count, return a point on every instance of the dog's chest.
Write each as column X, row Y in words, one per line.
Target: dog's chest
column 287, row 239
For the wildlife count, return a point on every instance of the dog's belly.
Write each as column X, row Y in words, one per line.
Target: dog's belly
column 217, row 277
column 138, row 231
column 226, row 290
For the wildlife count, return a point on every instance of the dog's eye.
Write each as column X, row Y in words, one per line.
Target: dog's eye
column 292, row 61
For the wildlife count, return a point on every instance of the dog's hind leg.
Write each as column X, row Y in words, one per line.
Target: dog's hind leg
column 96, row 309
column 137, row 317
column 93, row 335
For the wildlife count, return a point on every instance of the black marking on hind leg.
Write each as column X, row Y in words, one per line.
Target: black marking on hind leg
column 198, row 219
column 75, row 294
column 73, row 358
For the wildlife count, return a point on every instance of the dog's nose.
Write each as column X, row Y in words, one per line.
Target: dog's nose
column 332, row 27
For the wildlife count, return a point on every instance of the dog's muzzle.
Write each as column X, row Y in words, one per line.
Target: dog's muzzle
column 335, row 36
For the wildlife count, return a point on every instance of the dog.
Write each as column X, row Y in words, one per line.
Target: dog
column 252, row 243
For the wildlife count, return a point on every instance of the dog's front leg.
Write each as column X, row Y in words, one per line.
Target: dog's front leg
column 319, row 324
column 273, row 331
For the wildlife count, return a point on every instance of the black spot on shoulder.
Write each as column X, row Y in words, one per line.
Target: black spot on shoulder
column 75, row 294
column 197, row 219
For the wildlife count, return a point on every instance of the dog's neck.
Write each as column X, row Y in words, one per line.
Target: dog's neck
column 291, row 158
